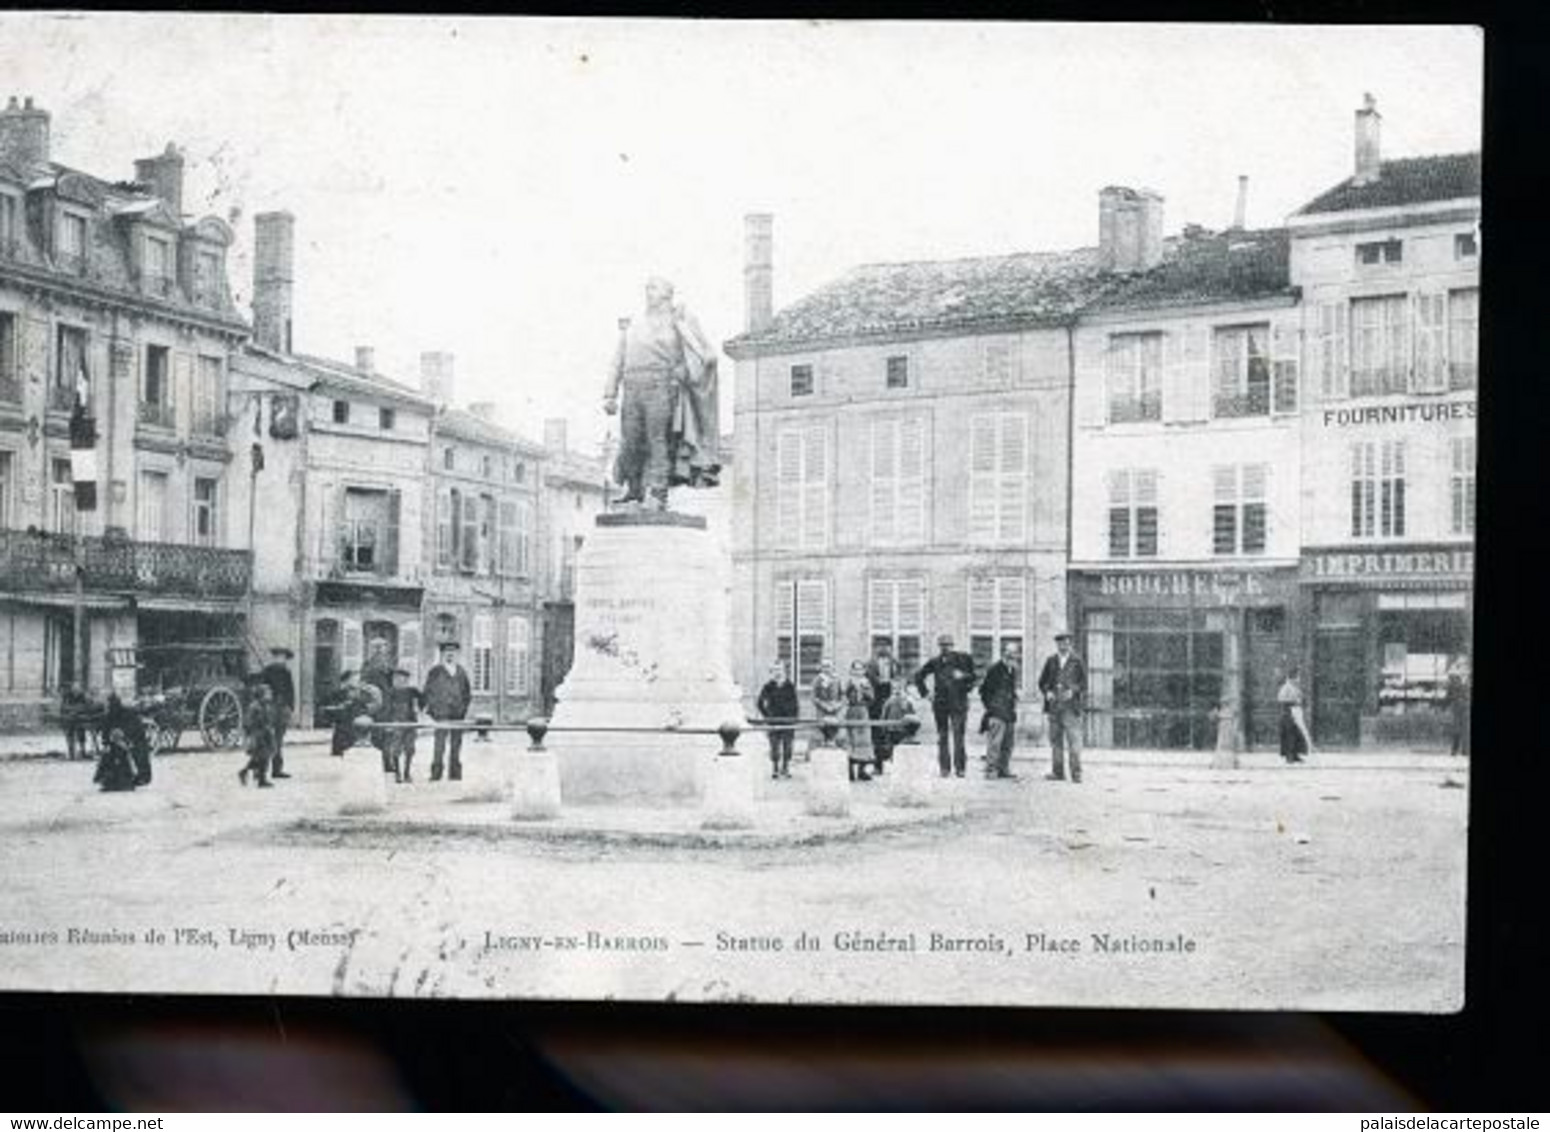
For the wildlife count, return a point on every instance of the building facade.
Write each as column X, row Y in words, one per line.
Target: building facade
column 342, row 497
column 901, row 459
column 110, row 298
column 1186, row 491
column 482, row 585
column 576, row 489
column 1388, row 266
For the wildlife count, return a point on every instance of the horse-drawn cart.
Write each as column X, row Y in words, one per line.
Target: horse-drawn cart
column 189, row 685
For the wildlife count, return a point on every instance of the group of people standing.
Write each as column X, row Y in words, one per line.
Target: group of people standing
column 267, row 717
column 870, row 712
column 381, row 693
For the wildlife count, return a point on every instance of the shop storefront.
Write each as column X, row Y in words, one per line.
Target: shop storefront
column 1386, row 624
column 1166, row 650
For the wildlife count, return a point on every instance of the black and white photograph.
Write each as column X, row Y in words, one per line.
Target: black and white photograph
column 910, row 513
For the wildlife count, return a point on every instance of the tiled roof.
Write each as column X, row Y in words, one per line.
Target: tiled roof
column 341, row 375
column 470, row 426
column 1408, row 180
column 1207, row 267
column 892, row 298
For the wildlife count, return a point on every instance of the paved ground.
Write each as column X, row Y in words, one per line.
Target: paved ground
column 1338, row 885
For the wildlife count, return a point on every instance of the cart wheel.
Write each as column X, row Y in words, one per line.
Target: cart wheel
column 220, row 718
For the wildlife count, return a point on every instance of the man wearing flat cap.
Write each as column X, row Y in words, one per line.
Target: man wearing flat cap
column 447, row 695
column 1064, row 685
column 277, row 675
column 952, row 677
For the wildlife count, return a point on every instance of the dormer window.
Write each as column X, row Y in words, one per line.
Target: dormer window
column 1380, row 252
column 158, row 265
column 72, row 239
column 207, row 276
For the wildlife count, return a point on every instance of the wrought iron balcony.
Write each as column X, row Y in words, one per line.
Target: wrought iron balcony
column 38, row 562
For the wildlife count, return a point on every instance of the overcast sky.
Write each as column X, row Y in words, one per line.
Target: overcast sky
column 502, row 188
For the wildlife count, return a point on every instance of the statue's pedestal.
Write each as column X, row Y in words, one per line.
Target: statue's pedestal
column 651, row 652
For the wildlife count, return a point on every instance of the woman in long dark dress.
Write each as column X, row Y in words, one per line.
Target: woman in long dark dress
column 1294, row 732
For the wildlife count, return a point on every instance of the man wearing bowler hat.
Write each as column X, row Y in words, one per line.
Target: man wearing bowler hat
column 1064, row 685
column 447, row 695
column 277, row 675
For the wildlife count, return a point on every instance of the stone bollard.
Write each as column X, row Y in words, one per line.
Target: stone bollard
column 1225, row 757
column 362, row 782
column 828, row 782
column 535, row 778
column 728, row 785
column 912, row 776
column 486, row 769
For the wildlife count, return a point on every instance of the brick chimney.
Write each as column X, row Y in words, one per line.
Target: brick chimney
column 1240, row 210
column 758, row 270
column 1129, row 229
column 24, row 133
column 555, row 436
column 1369, row 151
column 366, row 359
column 274, row 237
column 436, row 376
column 163, row 176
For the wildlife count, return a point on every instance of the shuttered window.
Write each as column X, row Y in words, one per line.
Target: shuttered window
column 1463, row 338
column 1380, row 345
column 1133, row 513
column 1378, row 489
column 482, row 666
column 518, row 651
column 898, row 489
column 802, row 626
column 896, row 616
column 1461, row 484
column 1135, row 370
column 802, row 488
column 1238, row 513
column 998, row 615
column 998, row 479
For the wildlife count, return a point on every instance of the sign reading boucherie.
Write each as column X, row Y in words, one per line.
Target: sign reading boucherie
column 1429, row 563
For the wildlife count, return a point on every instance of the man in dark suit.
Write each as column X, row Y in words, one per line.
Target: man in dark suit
column 282, row 686
column 1064, row 685
column 952, row 678
column 998, row 692
column 447, row 696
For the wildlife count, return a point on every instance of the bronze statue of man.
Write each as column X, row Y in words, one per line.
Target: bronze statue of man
column 665, row 369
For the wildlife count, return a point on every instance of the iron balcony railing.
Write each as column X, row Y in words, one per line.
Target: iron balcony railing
column 158, row 413
column 37, row 562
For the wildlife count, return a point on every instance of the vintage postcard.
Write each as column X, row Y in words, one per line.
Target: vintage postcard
column 968, row 513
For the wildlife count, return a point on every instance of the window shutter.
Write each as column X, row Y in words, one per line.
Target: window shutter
column 788, row 489
column 1196, row 375
column 1224, row 480
column 328, row 524
column 1011, row 603
column 1091, row 390
column 982, row 606
column 518, row 650
column 880, row 607
column 1255, row 478
column 815, row 488
column 1119, row 488
column 812, row 596
column 1342, row 372
column 1286, row 362
column 35, row 343
column 182, row 379
column 409, row 650
column 785, row 610
column 912, row 481
column 354, row 650
column 885, row 473
column 911, row 615
column 444, row 523
column 470, row 548
column 982, row 479
column 1012, row 520
column 1430, row 350
column 1118, row 376
column 390, row 537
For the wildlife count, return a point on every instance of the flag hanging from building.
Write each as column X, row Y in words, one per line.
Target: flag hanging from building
column 83, row 443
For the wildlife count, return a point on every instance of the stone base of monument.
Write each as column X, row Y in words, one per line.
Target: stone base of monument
column 912, row 776
column 729, row 792
column 828, row 782
column 362, row 783
column 535, row 785
column 651, row 662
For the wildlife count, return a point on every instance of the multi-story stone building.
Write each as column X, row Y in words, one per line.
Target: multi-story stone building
column 901, row 458
column 110, row 296
column 339, row 522
column 1388, row 266
column 1185, row 491
column 575, row 491
column 482, row 586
